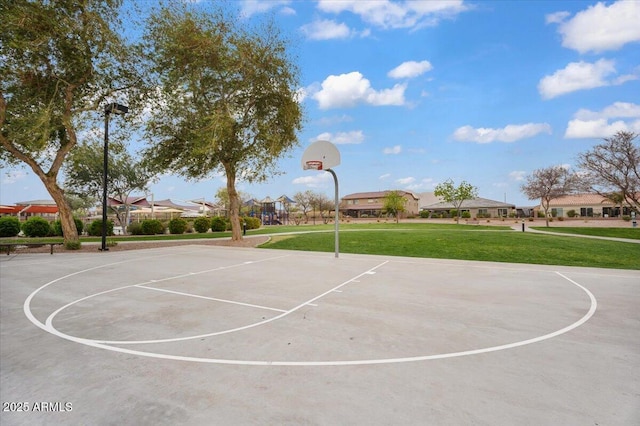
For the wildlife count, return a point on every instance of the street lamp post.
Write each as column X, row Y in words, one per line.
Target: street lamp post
column 112, row 108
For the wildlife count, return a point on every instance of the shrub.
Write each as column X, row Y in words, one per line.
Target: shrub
column 571, row 213
column 626, row 218
column 57, row 227
column 218, row 224
column 72, row 245
column 9, row 226
column 201, row 224
column 252, row 222
column 466, row 215
column 424, row 214
column 135, row 228
column 152, row 227
column 177, row 226
column 37, row 227
column 95, row 229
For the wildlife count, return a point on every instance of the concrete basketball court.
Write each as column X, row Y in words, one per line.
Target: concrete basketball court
column 217, row 335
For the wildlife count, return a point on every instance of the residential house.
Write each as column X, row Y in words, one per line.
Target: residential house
column 371, row 204
column 46, row 209
column 477, row 207
column 586, row 205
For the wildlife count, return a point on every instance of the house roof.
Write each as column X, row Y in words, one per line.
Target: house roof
column 376, row 194
column 580, row 200
column 36, row 203
column 476, row 203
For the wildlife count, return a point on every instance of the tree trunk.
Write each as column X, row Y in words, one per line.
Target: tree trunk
column 69, row 230
column 234, row 203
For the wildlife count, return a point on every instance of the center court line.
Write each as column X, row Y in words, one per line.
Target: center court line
column 209, row 298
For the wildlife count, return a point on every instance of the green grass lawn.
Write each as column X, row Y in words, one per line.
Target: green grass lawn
column 470, row 243
column 631, row 233
column 444, row 241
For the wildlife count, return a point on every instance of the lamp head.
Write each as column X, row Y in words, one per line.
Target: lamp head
column 115, row 108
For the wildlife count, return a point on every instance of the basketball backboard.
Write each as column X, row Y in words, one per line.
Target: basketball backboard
column 320, row 155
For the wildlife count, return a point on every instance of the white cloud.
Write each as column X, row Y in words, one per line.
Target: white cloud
column 517, row 175
column 509, row 133
column 349, row 90
column 326, row 29
column 342, row 138
column 410, row 69
column 397, row 149
column 601, row 27
column 406, row 181
column 315, row 180
column 391, row 14
column 595, row 124
column 557, row 17
column 252, row 7
column 617, row 109
column 576, row 76
column 385, row 176
column 426, row 183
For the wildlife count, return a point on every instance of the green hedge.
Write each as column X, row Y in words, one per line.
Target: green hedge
column 9, row 226
column 37, row 227
column 57, row 227
column 178, row 226
column 252, row 222
column 95, row 229
column 202, row 224
column 218, row 224
column 152, row 227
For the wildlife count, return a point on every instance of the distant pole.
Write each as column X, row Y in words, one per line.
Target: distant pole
column 337, row 213
column 105, row 172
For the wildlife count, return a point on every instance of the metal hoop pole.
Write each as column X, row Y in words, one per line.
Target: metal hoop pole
column 337, row 213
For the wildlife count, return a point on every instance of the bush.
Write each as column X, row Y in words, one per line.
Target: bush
column 57, row 227
column 466, row 215
column 424, row 214
column 252, row 222
column 95, row 229
column 626, row 218
column 9, row 226
column 135, row 228
column 218, row 224
column 177, row 226
column 72, row 245
column 152, row 227
column 37, row 227
column 571, row 213
column 201, row 224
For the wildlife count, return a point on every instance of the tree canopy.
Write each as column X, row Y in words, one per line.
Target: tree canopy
column 227, row 98
column 549, row 183
column 612, row 169
column 394, row 203
column 455, row 195
column 60, row 62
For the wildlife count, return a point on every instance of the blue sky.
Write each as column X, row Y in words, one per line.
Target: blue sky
column 417, row 92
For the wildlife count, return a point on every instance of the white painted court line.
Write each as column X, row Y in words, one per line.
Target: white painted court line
column 51, row 329
column 209, row 298
column 107, row 345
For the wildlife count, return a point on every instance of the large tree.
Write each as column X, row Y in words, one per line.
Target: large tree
column 455, row 195
column 59, row 61
column 227, row 101
column 612, row 169
column 549, row 183
column 394, row 203
column 84, row 175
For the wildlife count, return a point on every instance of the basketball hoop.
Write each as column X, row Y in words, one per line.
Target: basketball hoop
column 313, row 165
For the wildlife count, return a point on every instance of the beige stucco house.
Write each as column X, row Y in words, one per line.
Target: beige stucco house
column 586, row 205
column 371, row 204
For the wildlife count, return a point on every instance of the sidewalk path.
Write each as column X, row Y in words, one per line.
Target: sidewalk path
column 562, row 234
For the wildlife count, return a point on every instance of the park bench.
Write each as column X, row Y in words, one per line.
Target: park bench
column 10, row 245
